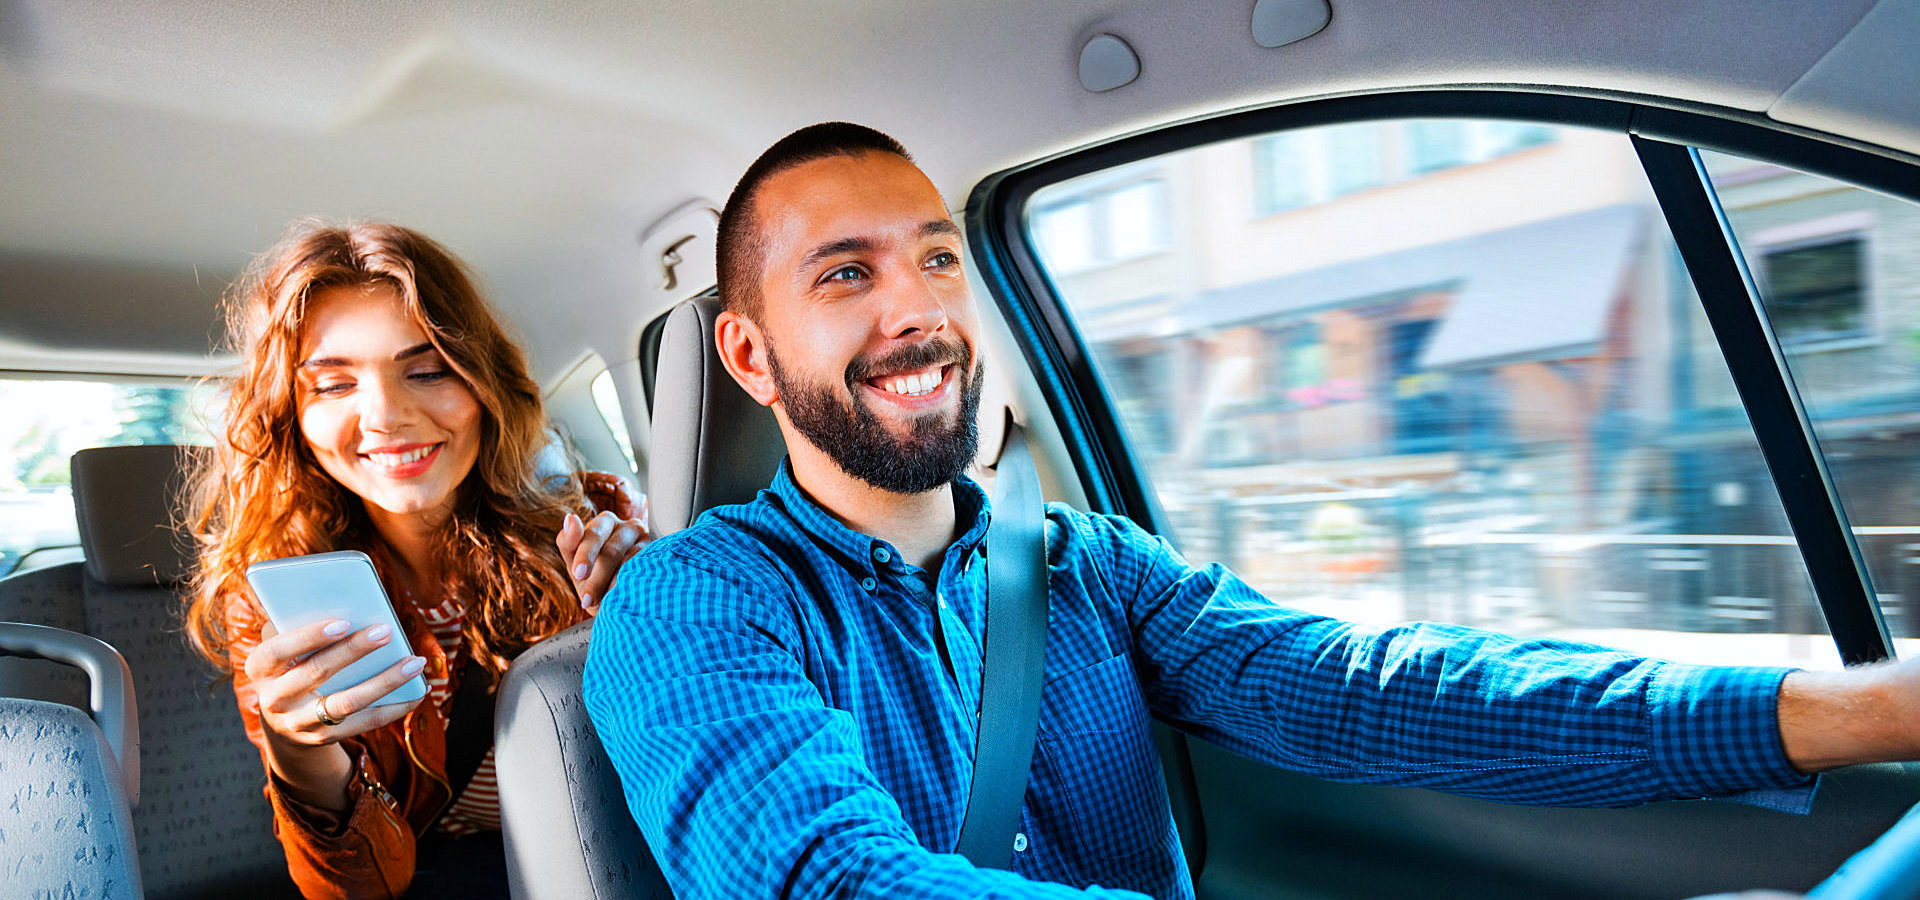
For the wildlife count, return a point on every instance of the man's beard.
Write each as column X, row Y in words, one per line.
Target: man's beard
column 933, row 454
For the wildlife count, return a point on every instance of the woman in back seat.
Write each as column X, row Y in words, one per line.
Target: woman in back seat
column 381, row 407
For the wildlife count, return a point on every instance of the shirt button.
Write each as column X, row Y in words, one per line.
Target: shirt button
column 1019, row 842
column 881, row 554
column 868, row 584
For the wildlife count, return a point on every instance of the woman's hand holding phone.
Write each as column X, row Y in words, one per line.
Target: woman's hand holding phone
column 287, row 685
column 304, row 748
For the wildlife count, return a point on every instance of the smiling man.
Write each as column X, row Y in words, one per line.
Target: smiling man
column 790, row 688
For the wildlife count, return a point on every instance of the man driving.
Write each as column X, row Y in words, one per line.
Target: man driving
column 790, row 688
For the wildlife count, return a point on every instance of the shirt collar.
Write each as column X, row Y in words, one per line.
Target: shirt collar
column 970, row 505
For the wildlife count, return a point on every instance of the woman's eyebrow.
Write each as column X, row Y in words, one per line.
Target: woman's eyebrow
column 335, row 362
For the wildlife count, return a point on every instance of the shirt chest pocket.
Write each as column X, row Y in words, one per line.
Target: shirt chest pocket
column 1095, row 745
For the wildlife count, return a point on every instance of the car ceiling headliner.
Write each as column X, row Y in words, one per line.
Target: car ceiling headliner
column 150, row 151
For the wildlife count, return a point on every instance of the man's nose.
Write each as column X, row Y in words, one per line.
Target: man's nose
column 912, row 306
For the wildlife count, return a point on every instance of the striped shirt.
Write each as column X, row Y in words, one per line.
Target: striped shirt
column 478, row 806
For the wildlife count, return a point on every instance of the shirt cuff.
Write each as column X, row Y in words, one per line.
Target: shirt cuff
column 1716, row 733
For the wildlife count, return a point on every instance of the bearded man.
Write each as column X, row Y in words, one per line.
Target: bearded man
column 790, row 688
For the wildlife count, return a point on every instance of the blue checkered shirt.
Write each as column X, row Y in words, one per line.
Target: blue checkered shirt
column 788, row 721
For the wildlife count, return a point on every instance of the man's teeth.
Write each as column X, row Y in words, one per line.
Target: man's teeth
column 401, row 459
column 912, row 385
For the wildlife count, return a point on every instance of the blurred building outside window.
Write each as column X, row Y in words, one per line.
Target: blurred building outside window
column 1463, row 383
column 1815, row 288
column 1317, row 165
column 1838, row 269
column 1108, row 226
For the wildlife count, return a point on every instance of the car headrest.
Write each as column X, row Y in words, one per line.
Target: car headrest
column 124, row 499
column 712, row 444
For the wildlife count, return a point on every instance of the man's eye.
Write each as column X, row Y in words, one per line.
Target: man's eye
column 845, row 273
column 942, row 260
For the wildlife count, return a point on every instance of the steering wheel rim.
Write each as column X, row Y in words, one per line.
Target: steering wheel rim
column 1888, row 869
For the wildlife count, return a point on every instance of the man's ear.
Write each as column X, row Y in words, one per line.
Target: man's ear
column 743, row 350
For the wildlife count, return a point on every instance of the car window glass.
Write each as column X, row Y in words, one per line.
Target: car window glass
column 50, row 419
column 1436, row 370
column 1838, row 268
column 606, row 400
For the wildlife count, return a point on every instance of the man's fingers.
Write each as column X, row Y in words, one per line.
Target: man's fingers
column 278, row 652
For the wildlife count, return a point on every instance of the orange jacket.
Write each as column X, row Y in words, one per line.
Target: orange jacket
column 398, row 791
column 400, row 788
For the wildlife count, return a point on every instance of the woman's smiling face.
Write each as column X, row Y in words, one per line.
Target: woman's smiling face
column 380, row 408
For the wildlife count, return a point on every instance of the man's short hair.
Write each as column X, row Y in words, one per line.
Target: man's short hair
column 742, row 251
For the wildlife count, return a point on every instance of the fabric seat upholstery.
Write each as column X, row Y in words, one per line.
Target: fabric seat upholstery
column 566, row 826
column 202, row 826
column 68, row 778
column 67, row 829
column 568, row 832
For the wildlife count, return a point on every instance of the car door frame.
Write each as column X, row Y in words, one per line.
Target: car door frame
column 1666, row 133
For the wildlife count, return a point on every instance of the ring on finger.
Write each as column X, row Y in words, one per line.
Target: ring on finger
column 320, row 712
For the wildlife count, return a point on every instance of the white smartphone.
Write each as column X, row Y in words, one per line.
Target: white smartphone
column 302, row 590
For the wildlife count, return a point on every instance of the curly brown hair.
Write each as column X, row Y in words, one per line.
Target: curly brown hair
column 262, row 494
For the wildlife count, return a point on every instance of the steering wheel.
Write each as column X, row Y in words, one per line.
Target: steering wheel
column 1888, row 869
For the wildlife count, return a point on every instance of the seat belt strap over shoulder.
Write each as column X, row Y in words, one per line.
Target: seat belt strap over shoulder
column 1014, row 651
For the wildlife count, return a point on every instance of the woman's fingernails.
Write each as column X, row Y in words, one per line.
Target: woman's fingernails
column 414, row 665
column 336, row 628
column 586, row 599
column 581, row 571
column 378, row 633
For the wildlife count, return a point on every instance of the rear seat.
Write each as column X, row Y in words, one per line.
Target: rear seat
column 63, row 842
column 201, row 826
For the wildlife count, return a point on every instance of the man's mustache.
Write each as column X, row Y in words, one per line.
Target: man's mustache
column 937, row 352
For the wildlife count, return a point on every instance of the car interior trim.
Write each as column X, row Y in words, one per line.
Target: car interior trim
column 1733, row 307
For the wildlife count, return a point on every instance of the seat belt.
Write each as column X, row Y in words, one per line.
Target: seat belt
column 469, row 727
column 1015, row 648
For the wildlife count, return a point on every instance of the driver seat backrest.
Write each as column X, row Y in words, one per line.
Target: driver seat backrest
column 201, row 826
column 712, row 444
column 567, row 829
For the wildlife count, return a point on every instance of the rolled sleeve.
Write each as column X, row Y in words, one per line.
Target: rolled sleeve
column 1716, row 733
